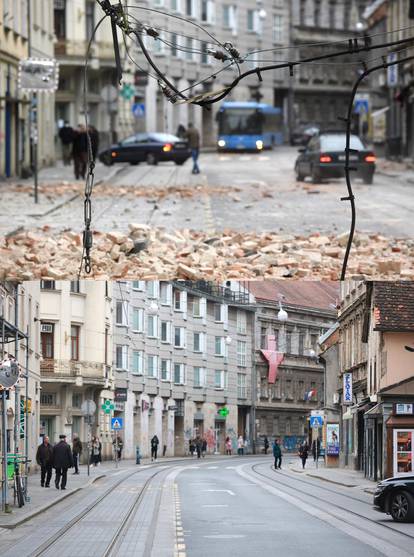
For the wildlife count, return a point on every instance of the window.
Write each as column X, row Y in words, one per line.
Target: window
column 175, row 5
column 220, row 379
column 180, row 300
column 288, row 389
column 241, row 322
column 302, row 14
column 137, row 362
column 301, row 342
column 241, row 385
column 47, row 340
column 313, row 388
column 60, row 18
column 137, row 320
column 218, row 313
column 251, row 20
column 179, row 337
column 138, row 285
column 90, row 19
column 278, row 29
column 76, row 400
column 48, row 399
column 190, row 8
column 288, row 342
column 204, row 53
column 317, row 13
column 152, row 326
column 74, row 342
column 189, row 48
column 241, row 353
column 165, row 293
column 121, row 358
column 219, row 346
column 153, row 286
column 152, row 366
column 165, row 370
column 75, row 286
column 174, row 42
column 196, row 304
column 166, row 331
column 48, row 285
column 199, row 342
column 121, row 313
column 263, row 338
column 179, row 372
column 199, row 376
column 332, row 11
column 207, row 11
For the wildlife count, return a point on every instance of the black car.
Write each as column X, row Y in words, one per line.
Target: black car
column 147, row 147
column 324, row 157
column 395, row 496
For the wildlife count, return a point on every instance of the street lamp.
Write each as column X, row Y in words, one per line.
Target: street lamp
column 282, row 315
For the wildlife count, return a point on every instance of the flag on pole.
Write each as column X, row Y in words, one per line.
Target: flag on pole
column 310, row 394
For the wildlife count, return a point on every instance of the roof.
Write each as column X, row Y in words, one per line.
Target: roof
column 393, row 305
column 317, row 295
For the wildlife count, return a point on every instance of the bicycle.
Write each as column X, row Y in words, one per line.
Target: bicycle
column 19, row 487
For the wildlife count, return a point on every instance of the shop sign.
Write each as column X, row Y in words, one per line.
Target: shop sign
column 347, row 386
column 121, row 395
column 332, row 439
column 404, row 408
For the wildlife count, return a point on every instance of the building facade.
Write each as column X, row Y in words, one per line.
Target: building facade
column 282, row 407
column 183, row 364
column 76, row 344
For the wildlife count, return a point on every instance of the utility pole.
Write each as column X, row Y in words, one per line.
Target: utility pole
column 291, row 93
column 33, row 115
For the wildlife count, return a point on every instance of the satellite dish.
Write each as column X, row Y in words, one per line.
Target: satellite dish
column 9, row 373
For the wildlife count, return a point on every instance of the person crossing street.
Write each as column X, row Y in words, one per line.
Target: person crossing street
column 154, row 447
column 277, row 453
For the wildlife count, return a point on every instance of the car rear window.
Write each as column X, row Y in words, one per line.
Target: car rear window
column 338, row 142
column 164, row 137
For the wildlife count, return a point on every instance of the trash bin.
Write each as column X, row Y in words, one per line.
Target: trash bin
column 11, row 458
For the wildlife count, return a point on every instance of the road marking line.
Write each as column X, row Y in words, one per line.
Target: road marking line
column 213, row 506
column 212, row 467
column 221, row 491
column 225, row 536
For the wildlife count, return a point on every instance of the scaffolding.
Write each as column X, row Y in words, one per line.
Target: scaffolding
column 11, row 334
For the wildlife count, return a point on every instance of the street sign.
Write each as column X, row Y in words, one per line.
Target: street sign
column 361, row 104
column 117, row 423
column 109, row 94
column 9, row 373
column 224, row 412
column 138, row 110
column 38, row 75
column 108, row 406
column 316, row 421
column 347, row 388
column 88, row 407
column 121, row 394
column 392, row 71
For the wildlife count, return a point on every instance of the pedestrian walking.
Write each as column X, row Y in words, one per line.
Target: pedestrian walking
column 44, row 458
column 199, row 446
column 94, row 139
column 277, row 453
column 240, row 445
column 228, row 446
column 118, row 446
column 154, row 447
column 181, row 131
column 66, row 136
column 62, row 460
column 316, row 449
column 96, row 451
column 80, row 152
column 303, row 453
column 204, row 448
column 192, row 447
column 266, row 444
column 76, row 452
column 193, row 137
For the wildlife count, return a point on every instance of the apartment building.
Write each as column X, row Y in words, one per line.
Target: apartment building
column 19, row 337
column 183, row 364
column 182, row 54
column 76, row 344
column 290, row 318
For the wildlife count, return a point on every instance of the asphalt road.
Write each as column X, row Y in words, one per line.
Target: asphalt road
column 217, row 506
column 246, row 192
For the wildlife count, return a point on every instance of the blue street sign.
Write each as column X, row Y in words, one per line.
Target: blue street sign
column 117, row 423
column 361, row 106
column 138, row 110
column 316, row 421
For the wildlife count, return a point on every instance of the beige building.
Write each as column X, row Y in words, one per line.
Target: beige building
column 76, row 341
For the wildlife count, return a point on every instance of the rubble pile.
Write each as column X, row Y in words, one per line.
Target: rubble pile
column 149, row 253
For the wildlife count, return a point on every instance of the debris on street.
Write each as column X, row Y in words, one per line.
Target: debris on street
column 148, row 253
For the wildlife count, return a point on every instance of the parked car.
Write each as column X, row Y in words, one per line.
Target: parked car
column 147, row 147
column 324, row 157
column 395, row 496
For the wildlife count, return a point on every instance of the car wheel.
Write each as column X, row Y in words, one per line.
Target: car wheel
column 402, row 507
column 299, row 177
column 107, row 160
column 316, row 177
column 134, row 163
column 179, row 163
column 368, row 179
column 151, row 159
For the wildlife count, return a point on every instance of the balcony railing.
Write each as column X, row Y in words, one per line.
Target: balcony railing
column 71, row 368
column 214, row 290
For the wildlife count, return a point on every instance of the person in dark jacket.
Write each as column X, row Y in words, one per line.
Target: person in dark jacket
column 94, row 139
column 193, row 137
column 44, row 458
column 277, row 453
column 266, row 444
column 204, row 448
column 66, row 135
column 96, row 451
column 118, row 446
column 316, row 449
column 62, row 460
column 303, row 453
column 198, row 445
column 80, row 152
column 76, row 451
column 154, row 447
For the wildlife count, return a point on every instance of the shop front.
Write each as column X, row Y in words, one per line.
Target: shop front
column 400, row 437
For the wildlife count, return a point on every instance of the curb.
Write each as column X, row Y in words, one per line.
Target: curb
column 46, row 507
column 343, row 484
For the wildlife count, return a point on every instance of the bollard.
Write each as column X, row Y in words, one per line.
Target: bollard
column 137, row 455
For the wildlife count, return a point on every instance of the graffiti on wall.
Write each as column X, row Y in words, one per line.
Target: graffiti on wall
column 210, row 438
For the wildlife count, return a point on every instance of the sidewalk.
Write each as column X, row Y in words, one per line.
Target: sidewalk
column 340, row 476
column 394, row 169
column 41, row 498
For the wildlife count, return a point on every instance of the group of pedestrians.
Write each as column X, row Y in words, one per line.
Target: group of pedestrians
column 75, row 146
column 198, row 446
column 60, row 457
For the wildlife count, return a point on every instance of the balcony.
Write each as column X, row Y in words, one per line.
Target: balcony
column 214, row 291
column 74, row 52
column 74, row 371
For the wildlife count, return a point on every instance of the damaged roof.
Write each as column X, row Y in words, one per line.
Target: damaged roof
column 393, row 306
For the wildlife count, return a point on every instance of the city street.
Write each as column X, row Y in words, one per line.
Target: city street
column 217, row 506
column 243, row 192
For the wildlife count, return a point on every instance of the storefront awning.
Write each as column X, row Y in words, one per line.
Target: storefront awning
column 380, row 112
column 374, row 412
column 401, row 421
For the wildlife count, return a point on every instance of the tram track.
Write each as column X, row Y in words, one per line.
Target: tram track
column 306, row 495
